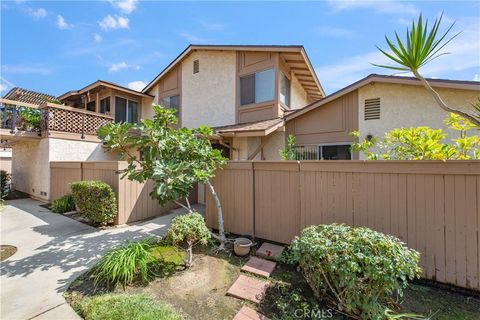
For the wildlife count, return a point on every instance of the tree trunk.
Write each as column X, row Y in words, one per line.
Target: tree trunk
column 189, row 258
column 442, row 104
column 221, row 229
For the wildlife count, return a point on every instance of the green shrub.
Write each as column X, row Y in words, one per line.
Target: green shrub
column 191, row 229
column 126, row 307
column 95, row 200
column 357, row 269
column 128, row 263
column 63, row 204
column 4, row 180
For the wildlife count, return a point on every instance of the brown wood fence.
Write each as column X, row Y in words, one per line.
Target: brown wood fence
column 432, row 206
column 133, row 199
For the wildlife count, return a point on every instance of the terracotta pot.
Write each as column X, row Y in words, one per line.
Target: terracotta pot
column 241, row 246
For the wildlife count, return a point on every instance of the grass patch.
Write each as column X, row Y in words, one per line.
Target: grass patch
column 126, row 307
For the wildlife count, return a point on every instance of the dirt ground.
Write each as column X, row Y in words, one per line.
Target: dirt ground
column 6, row 251
column 199, row 292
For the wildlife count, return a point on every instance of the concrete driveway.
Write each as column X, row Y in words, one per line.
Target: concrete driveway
column 53, row 250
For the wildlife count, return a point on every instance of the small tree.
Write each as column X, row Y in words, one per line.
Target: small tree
column 191, row 229
column 421, row 47
column 174, row 159
column 288, row 153
column 423, row 143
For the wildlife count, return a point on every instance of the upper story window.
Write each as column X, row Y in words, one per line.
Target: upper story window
column 172, row 102
column 284, row 90
column 126, row 110
column 258, row 87
column 105, row 105
column 196, row 66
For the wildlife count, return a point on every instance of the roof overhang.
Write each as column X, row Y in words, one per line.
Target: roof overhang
column 102, row 83
column 244, row 131
column 376, row 78
column 274, row 48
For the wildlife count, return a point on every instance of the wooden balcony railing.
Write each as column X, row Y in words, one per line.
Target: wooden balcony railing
column 50, row 117
column 72, row 120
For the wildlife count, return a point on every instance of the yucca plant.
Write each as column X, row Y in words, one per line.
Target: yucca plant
column 421, row 46
column 127, row 263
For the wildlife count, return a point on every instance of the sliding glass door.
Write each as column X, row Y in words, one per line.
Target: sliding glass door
column 126, row 110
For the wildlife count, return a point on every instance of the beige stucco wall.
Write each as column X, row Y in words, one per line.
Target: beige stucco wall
column 208, row 97
column 271, row 150
column 30, row 168
column 31, row 161
column 245, row 146
column 409, row 106
column 298, row 95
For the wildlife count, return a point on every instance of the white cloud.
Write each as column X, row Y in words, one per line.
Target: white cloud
column 118, row 66
column 125, row 6
column 137, row 85
column 62, row 24
column 190, row 37
column 122, row 66
column 98, row 38
column 37, row 14
column 476, row 77
column 3, row 87
column 109, row 22
column 334, row 32
column 383, row 7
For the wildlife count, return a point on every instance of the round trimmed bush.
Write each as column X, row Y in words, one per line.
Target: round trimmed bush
column 95, row 200
column 356, row 269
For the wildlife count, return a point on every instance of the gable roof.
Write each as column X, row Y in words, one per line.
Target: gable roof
column 372, row 78
column 275, row 48
column 105, row 84
column 28, row 96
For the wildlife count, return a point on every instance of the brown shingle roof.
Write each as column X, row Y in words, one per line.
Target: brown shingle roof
column 263, row 125
column 28, row 96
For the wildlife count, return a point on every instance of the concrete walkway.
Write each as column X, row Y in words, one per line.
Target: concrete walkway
column 53, row 250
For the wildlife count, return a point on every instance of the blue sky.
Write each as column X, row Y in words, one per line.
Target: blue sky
column 54, row 46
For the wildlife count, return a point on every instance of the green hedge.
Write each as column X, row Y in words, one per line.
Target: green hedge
column 357, row 269
column 95, row 200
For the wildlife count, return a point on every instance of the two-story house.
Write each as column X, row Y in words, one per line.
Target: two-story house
column 241, row 91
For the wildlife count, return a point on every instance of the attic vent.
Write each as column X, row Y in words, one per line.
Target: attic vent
column 196, row 66
column 372, row 109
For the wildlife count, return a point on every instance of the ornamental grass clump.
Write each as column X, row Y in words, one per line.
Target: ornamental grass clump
column 63, row 204
column 357, row 270
column 189, row 229
column 133, row 261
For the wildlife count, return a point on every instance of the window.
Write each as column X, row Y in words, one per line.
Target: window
column 125, row 110
column 284, row 90
column 196, row 66
column 258, row 87
column 105, row 105
column 323, row 152
column 172, row 102
column 335, row 152
column 91, row 106
column 372, row 109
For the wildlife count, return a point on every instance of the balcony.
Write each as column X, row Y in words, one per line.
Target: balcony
column 20, row 121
